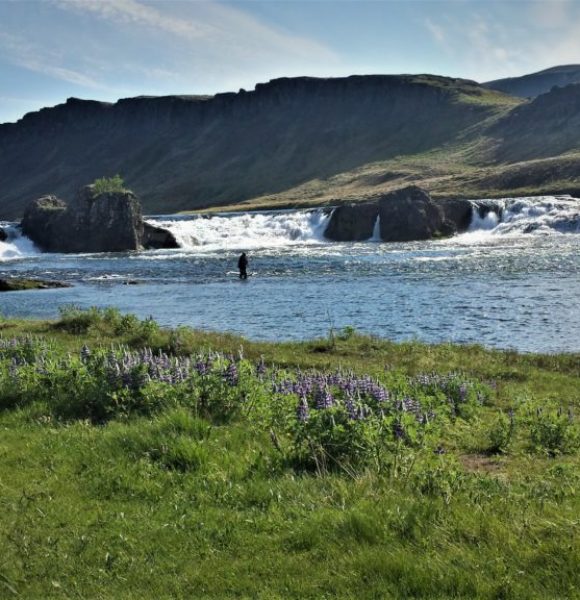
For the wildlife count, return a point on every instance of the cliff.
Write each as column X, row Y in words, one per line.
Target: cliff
column 186, row 152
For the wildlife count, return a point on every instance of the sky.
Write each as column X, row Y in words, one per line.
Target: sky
column 109, row 49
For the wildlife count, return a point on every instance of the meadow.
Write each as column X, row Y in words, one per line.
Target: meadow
column 140, row 462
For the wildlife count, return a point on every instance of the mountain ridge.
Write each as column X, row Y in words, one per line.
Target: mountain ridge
column 534, row 84
column 295, row 141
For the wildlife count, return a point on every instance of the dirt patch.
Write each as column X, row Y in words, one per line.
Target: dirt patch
column 481, row 463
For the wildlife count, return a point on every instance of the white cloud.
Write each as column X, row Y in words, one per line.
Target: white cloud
column 510, row 40
column 552, row 14
column 208, row 26
column 28, row 55
column 133, row 12
column 437, row 31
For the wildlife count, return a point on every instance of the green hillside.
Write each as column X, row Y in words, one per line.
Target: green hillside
column 183, row 153
column 299, row 142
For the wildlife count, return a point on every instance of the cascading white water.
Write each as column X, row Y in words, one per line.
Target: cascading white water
column 376, row 237
column 246, row 231
column 536, row 215
column 16, row 245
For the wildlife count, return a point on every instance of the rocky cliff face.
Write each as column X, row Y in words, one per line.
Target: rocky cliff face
column 185, row 152
column 110, row 222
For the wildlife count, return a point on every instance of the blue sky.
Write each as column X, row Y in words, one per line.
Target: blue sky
column 108, row 49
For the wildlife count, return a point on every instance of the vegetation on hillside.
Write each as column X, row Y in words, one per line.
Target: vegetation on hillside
column 144, row 463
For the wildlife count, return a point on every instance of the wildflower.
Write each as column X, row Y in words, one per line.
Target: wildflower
column 261, row 368
column 231, row 374
column 350, row 407
column 398, row 430
column 323, row 398
column 302, row 413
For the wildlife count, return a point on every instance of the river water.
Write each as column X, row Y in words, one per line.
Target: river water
column 511, row 281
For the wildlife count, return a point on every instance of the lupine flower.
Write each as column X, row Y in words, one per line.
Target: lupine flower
column 398, row 430
column 323, row 398
column 261, row 368
column 302, row 412
column 350, row 407
column 231, row 374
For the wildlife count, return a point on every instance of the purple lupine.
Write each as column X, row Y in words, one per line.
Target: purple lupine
column 323, row 398
column 202, row 366
column 350, row 407
column 398, row 430
column 302, row 411
column 261, row 368
column 380, row 394
column 231, row 374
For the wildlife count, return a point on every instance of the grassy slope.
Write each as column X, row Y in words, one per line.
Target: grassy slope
column 519, row 150
column 447, row 173
column 84, row 518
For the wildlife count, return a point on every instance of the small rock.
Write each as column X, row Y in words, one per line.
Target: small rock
column 19, row 284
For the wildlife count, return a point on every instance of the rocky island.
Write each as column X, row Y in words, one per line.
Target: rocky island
column 96, row 220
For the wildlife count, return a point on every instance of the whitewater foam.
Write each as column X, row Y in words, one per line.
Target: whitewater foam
column 16, row 246
column 541, row 215
column 247, row 231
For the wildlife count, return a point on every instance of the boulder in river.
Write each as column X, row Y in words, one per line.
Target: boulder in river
column 409, row 215
column 3, row 235
column 352, row 222
column 459, row 212
column 157, row 238
column 92, row 222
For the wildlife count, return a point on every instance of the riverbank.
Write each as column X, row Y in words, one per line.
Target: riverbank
column 139, row 462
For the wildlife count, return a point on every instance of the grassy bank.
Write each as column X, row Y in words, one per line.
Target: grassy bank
column 144, row 463
column 448, row 173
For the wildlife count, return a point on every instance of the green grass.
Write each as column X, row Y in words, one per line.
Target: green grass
column 173, row 504
column 109, row 185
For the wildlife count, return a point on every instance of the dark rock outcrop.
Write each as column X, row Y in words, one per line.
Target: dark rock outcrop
column 93, row 222
column 19, row 284
column 409, row 214
column 157, row 238
column 406, row 215
column 458, row 212
column 3, row 235
column 42, row 222
column 484, row 207
column 352, row 222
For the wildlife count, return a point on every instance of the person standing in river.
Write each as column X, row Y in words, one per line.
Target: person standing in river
column 243, row 266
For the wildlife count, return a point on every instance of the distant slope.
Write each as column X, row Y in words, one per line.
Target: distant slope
column 185, row 152
column 547, row 126
column 530, row 86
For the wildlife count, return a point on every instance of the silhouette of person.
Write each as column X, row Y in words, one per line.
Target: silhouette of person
column 243, row 266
